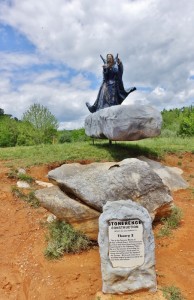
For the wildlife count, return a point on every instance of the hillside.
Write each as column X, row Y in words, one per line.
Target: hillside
column 27, row 274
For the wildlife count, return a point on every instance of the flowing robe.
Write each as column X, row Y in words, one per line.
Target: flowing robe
column 112, row 91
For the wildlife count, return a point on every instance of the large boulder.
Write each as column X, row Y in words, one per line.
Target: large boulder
column 171, row 176
column 80, row 216
column 97, row 183
column 124, row 123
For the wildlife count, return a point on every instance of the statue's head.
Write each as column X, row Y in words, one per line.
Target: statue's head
column 110, row 59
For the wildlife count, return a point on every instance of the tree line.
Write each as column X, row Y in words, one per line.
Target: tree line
column 37, row 126
column 178, row 122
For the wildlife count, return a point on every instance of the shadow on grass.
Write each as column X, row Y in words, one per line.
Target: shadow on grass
column 121, row 151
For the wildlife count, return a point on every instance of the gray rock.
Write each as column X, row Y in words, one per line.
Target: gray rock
column 171, row 176
column 126, row 279
column 73, row 212
column 97, row 183
column 51, row 218
column 21, row 171
column 124, row 123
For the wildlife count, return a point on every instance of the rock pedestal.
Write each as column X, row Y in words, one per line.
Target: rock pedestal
column 126, row 248
column 124, row 123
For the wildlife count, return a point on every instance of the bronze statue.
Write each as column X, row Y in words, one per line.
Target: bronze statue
column 112, row 91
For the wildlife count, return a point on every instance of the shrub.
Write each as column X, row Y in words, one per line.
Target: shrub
column 65, row 137
column 187, row 126
column 171, row 222
column 172, row 293
column 62, row 238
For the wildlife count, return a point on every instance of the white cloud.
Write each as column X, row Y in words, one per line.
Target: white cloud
column 154, row 39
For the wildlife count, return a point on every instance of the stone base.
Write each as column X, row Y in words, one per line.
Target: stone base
column 124, row 123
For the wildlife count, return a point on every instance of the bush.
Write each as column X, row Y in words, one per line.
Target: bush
column 65, row 137
column 172, row 293
column 187, row 126
column 8, row 131
column 172, row 222
column 63, row 238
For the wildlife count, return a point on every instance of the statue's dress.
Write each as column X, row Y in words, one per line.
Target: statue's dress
column 112, row 91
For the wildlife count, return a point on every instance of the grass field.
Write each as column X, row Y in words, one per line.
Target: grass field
column 99, row 151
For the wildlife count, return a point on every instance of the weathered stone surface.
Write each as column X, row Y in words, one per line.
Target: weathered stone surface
column 171, row 176
column 125, row 279
column 73, row 212
column 124, row 123
column 43, row 183
column 97, row 183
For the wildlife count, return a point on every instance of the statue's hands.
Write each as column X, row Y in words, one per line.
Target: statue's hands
column 105, row 66
column 118, row 61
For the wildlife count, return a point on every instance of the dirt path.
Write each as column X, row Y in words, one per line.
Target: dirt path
column 26, row 274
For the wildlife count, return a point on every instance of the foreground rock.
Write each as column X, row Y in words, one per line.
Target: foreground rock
column 171, row 176
column 64, row 208
column 126, row 245
column 124, row 123
column 97, row 183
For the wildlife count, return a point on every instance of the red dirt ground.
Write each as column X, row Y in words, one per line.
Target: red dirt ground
column 26, row 274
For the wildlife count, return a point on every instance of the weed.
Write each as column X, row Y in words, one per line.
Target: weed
column 14, row 174
column 32, row 200
column 25, row 177
column 62, row 238
column 172, row 293
column 179, row 163
column 17, row 192
column 171, row 222
column 30, row 197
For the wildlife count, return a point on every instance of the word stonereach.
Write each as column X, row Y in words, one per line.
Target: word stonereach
column 129, row 222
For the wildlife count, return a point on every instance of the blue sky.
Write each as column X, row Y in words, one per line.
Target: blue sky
column 50, row 53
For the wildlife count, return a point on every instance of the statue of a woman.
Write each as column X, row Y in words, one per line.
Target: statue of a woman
column 112, row 91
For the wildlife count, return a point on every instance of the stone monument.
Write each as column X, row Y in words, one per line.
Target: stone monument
column 127, row 246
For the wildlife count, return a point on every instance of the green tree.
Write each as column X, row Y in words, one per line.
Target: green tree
column 43, row 121
column 27, row 135
column 8, row 131
column 187, row 126
column 1, row 112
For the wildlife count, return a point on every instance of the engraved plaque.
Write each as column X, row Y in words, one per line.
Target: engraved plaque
column 126, row 246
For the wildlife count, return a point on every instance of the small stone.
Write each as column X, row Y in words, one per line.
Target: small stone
column 51, row 218
column 23, row 184
column 21, row 171
column 43, row 183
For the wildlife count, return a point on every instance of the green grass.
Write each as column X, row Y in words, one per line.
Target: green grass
column 171, row 222
column 100, row 151
column 63, row 238
column 172, row 293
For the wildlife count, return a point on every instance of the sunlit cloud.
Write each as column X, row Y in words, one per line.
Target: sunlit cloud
column 50, row 53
